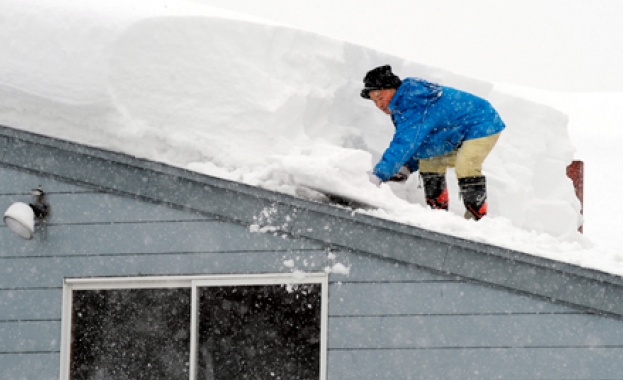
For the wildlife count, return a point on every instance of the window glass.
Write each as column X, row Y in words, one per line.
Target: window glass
column 259, row 332
column 130, row 334
column 211, row 328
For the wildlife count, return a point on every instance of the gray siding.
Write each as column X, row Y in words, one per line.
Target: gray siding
column 387, row 319
column 404, row 324
column 95, row 234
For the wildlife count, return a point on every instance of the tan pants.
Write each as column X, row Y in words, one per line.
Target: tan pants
column 467, row 160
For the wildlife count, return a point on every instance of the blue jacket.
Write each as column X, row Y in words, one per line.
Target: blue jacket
column 432, row 120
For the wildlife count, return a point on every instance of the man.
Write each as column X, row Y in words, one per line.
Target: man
column 437, row 127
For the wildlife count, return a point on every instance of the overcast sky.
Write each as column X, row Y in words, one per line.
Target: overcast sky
column 558, row 45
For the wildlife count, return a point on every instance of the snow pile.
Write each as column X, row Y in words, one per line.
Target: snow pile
column 595, row 130
column 270, row 106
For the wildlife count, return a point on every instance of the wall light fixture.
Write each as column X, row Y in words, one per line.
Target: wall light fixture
column 20, row 217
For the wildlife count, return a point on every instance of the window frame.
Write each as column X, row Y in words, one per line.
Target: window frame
column 192, row 282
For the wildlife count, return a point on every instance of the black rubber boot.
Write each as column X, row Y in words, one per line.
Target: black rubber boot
column 435, row 190
column 474, row 194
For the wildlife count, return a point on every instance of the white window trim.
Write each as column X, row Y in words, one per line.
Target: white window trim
column 193, row 282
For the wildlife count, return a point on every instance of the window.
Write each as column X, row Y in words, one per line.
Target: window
column 130, row 334
column 219, row 327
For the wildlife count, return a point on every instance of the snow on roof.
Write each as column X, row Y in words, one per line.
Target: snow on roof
column 272, row 107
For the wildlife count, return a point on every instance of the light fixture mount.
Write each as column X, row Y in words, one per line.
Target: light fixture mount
column 40, row 207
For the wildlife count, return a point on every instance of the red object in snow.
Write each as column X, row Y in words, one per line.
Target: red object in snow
column 575, row 171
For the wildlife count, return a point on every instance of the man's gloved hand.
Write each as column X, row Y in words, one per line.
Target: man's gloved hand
column 402, row 175
column 374, row 179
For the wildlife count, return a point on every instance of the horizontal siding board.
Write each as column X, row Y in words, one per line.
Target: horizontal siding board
column 91, row 208
column 37, row 366
column 30, row 336
column 483, row 331
column 531, row 278
column 30, row 304
column 356, row 235
column 13, row 181
column 45, row 303
column 122, row 238
column 477, row 364
column 369, row 299
column 370, row 268
column 50, row 271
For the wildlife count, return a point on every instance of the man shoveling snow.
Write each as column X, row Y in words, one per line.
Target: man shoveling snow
column 437, row 127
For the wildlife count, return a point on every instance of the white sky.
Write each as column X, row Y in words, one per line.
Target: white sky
column 557, row 45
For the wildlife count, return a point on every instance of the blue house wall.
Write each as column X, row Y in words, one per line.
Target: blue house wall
column 388, row 318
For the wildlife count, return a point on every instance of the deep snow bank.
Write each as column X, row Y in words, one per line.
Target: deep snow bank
column 273, row 107
column 277, row 107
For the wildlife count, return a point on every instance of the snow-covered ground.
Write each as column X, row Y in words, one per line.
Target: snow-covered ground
column 279, row 108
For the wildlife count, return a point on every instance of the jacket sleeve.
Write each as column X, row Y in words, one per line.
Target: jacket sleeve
column 413, row 164
column 407, row 139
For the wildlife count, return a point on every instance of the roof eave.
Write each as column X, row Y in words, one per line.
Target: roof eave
column 335, row 226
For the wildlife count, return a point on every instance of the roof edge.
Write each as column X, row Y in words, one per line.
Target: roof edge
column 334, row 226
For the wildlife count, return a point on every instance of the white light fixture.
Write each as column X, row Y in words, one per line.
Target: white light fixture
column 20, row 217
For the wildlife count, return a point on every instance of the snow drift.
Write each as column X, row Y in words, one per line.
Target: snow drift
column 269, row 106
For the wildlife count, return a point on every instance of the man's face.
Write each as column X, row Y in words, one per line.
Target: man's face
column 382, row 98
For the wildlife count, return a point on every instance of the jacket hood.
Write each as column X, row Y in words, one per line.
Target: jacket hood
column 415, row 92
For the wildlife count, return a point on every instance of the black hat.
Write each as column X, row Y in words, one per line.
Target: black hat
column 378, row 79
